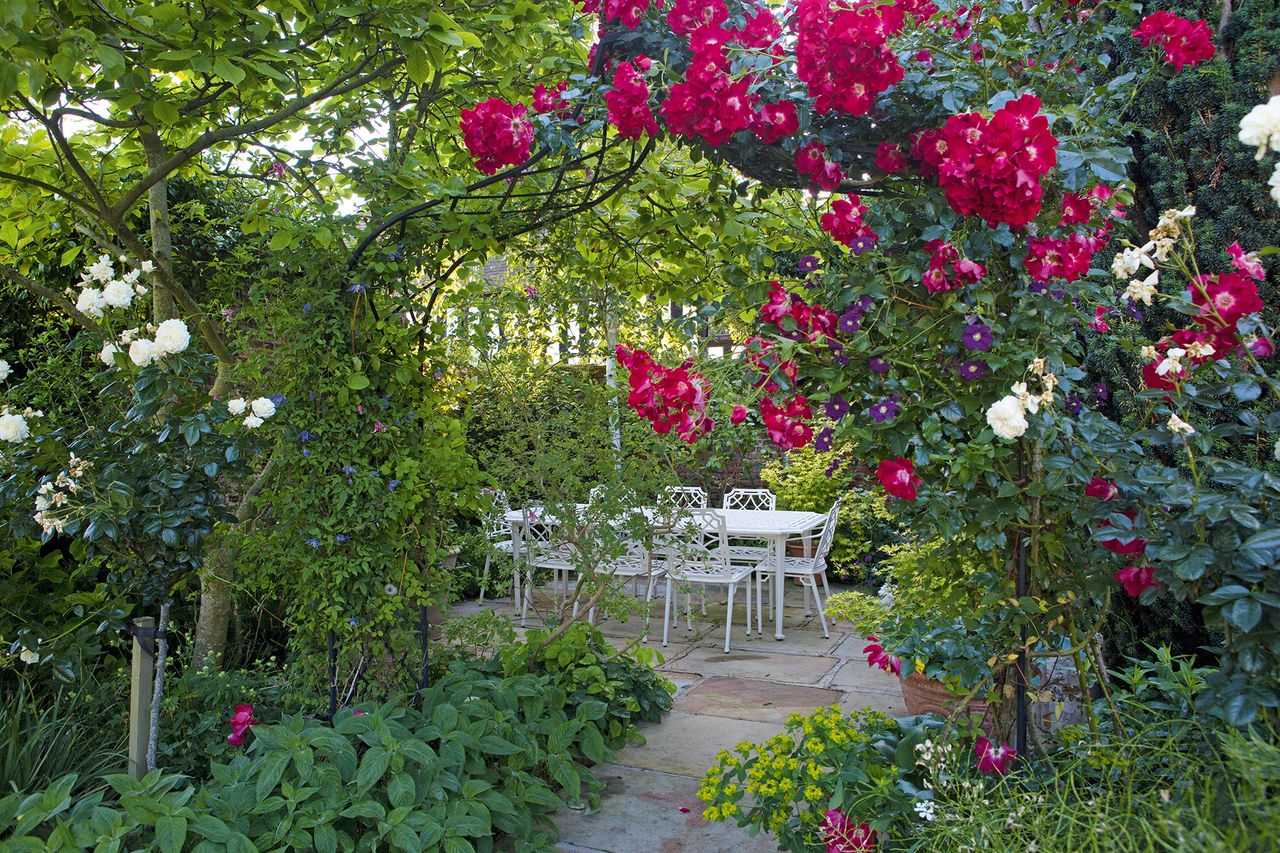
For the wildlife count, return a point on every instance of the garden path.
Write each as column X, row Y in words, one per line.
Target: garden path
column 650, row 804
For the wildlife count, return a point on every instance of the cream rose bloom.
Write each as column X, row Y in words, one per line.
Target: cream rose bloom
column 108, row 354
column 1261, row 127
column 237, row 406
column 1007, row 417
column 172, row 337
column 118, row 294
column 252, row 421
column 142, row 352
column 263, row 407
column 5, row 370
column 13, row 428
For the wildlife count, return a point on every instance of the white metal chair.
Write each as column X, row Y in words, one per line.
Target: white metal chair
column 808, row 569
column 698, row 552
column 750, row 499
column 498, row 538
column 636, row 564
column 537, row 551
column 688, row 497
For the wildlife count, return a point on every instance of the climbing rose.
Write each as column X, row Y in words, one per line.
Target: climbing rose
column 786, row 424
column 1102, row 489
column 628, row 103
column 172, row 337
column 811, row 162
column 709, row 104
column 1067, row 258
column 1007, row 417
column 497, row 134
column 842, row 835
column 670, row 398
column 898, row 476
column 889, row 158
column 775, row 121
column 762, row 360
column 629, row 12
column 1246, row 262
column 1135, row 579
column 1076, row 209
column 1224, row 299
column 844, row 221
column 1184, row 42
column 947, row 270
column 1136, row 545
column 843, row 55
column 550, row 100
column 992, row 758
column 688, row 15
column 241, row 721
column 739, row 415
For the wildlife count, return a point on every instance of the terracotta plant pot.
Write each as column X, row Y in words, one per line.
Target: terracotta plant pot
column 796, row 549
column 926, row 695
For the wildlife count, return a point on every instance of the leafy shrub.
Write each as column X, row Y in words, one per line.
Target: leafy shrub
column 46, row 735
column 801, row 482
column 485, row 756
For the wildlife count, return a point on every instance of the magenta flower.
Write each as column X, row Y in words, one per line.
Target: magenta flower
column 739, row 415
column 378, row 426
column 992, row 758
column 358, row 713
column 878, row 657
column 842, row 835
column 241, row 721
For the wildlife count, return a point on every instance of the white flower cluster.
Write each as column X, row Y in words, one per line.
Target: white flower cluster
column 56, row 494
column 5, row 370
column 1007, row 416
column 169, row 338
column 1133, row 259
column 258, row 411
column 1261, row 128
column 14, row 427
column 100, row 289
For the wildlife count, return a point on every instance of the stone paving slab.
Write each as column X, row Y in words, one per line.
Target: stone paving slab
column 686, row 744
column 772, row 666
column 857, row 676
column 749, row 699
column 885, row 703
column 798, row 641
column 682, row 680
column 640, row 813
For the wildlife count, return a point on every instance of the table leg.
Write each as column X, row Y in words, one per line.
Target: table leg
column 779, row 558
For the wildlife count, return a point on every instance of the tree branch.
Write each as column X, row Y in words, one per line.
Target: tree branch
column 9, row 273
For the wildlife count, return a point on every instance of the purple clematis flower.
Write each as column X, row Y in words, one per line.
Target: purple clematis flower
column 837, row 407
column 1074, row 404
column 861, row 244
column 972, row 371
column 977, row 336
column 885, row 410
column 822, row 443
column 808, row 263
column 878, row 364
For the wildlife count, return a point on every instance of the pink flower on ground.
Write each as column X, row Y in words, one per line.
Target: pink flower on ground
column 241, row 721
column 842, row 835
column 358, row 713
column 992, row 758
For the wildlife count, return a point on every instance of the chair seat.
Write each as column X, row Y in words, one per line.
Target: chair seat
column 692, row 574
column 551, row 558
column 632, row 566
column 802, row 567
column 504, row 545
column 748, row 553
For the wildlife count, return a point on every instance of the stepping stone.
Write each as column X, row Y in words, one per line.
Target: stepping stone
column 774, row 666
column 798, row 641
column 747, row 699
column 686, row 744
column 641, row 813
column 855, row 675
column 885, row 703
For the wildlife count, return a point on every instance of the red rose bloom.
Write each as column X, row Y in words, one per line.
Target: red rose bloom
column 628, row 103
column 890, row 159
column 775, row 121
column 898, row 477
column 1224, row 299
column 497, row 134
column 1135, row 579
column 811, row 161
column 844, row 221
column 1184, row 42
column 1103, row 490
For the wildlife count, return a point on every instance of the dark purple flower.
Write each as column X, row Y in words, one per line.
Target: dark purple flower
column 861, row 244
column 837, row 407
column 313, row 542
column 972, row 371
column 823, row 442
column 392, row 485
column 808, row 263
column 306, row 307
column 1100, row 393
column 304, row 435
column 878, row 364
column 1074, row 405
column 850, row 321
column 531, row 291
column 977, row 336
column 357, row 287
column 837, row 352
column 341, row 537
column 278, row 399
column 306, row 454
column 863, row 303
column 886, row 409
column 350, row 470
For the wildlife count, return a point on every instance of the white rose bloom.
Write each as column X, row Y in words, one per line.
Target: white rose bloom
column 172, row 337
column 1276, row 452
column 117, row 294
column 1129, row 261
column 1172, row 362
column 147, row 266
column 1028, row 400
column 237, row 406
column 5, row 370
column 252, row 421
column 108, row 354
column 128, row 336
column 140, row 290
column 1274, row 183
column 1007, row 417
column 13, row 428
column 1178, row 426
column 1150, row 353
column 91, row 302
column 1261, row 127
column 100, row 271
column 1142, row 291
column 1186, row 212
column 131, row 277
column 29, row 656
column 263, row 407
column 142, row 352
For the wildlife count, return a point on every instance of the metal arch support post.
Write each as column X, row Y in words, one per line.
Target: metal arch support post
column 1021, row 584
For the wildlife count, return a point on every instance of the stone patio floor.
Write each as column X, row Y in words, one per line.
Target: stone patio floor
column 650, row 804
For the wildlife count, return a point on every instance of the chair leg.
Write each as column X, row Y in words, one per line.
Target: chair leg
column 826, row 589
column 688, row 610
column 807, row 611
column 527, row 596
column 759, row 608
column 728, row 622
column 666, row 613
column 484, row 576
column 748, row 606
column 822, row 616
column 702, row 589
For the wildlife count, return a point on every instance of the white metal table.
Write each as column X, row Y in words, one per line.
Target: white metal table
column 773, row 526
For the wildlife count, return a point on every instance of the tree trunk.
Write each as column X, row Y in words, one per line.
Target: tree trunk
column 162, row 304
column 216, row 598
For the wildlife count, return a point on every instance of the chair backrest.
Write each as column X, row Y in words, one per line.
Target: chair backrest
column 536, row 531
column 750, row 499
column 828, row 536
column 689, row 497
column 699, row 543
column 495, row 522
column 596, row 493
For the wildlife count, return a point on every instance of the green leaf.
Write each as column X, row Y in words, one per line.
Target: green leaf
column 273, row 768
column 1244, row 613
column 326, row 838
column 402, row 791
column 372, row 767
column 211, row 828
column 357, row 382
column 171, row 833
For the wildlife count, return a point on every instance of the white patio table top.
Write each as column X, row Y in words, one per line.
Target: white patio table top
column 775, row 526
